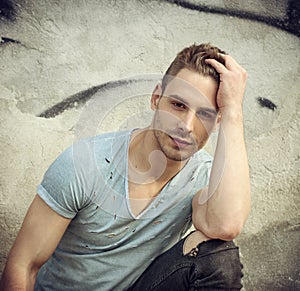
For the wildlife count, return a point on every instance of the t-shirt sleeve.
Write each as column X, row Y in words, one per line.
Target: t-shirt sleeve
column 61, row 188
column 204, row 170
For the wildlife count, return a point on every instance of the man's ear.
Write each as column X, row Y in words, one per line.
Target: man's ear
column 218, row 121
column 156, row 94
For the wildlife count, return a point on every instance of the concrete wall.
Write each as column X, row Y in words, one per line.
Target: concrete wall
column 52, row 50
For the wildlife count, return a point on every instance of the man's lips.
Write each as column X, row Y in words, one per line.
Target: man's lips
column 180, row 142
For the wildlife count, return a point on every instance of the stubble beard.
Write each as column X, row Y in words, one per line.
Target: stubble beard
column 163, row 138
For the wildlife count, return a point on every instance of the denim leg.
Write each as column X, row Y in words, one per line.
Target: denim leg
column 213, row 265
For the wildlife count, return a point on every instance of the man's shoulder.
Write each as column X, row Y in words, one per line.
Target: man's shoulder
column 111, row 135
column 102, row 139
column 96, row 146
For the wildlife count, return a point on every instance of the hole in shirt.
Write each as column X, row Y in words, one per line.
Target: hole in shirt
column 157, row 222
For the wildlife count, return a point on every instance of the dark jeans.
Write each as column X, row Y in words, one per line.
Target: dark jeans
column 212, row 265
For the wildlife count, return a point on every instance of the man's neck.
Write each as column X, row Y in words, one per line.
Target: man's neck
column 147, row 163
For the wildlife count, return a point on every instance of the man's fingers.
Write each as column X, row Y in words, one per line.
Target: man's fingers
column 220, row 68
column 230, row 64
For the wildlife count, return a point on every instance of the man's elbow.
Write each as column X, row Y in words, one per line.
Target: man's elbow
column 227, row 227
column 17, row 276
column 228, row 232
column 225, row 232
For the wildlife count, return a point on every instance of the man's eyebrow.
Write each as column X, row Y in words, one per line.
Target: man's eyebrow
column 207, row 109
column 179, row 98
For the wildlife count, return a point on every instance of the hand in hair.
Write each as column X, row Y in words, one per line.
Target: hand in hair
column 232, row 83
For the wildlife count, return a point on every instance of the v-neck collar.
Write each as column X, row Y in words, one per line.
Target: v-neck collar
column 157, row 199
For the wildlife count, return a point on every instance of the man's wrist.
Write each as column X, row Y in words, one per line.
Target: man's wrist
column 234, row 113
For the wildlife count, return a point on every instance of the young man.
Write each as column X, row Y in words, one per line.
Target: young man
column 111, row 210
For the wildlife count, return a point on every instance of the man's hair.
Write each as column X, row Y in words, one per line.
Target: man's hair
column 193, row 58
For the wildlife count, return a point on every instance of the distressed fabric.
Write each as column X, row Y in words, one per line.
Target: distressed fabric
column 107, row 247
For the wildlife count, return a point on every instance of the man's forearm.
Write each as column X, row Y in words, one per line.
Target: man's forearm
column 222, row 211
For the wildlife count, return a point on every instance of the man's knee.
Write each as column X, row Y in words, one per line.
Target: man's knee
column 218, row 265
column 228, row 269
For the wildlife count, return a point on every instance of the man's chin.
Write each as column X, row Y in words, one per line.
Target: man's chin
column 178, row 155
column 172, row 150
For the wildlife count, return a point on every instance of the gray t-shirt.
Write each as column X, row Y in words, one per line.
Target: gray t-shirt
column 105, row 246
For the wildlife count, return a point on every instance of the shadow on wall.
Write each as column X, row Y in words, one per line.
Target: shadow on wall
column 7, row 10
column 264, row 247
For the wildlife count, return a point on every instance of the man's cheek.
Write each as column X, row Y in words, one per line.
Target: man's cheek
column 167, row 120
column 208, row 125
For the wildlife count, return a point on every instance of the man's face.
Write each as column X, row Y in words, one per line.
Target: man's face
column 185, row 115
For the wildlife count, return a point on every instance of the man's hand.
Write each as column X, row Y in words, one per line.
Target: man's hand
column 232, row 83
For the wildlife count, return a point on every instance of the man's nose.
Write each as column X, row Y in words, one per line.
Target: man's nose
column 187, row 121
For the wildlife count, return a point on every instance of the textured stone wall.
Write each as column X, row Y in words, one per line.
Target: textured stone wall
column 60, row 59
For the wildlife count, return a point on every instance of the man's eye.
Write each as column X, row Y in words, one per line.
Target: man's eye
column 206, row 114
column 178, row 105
